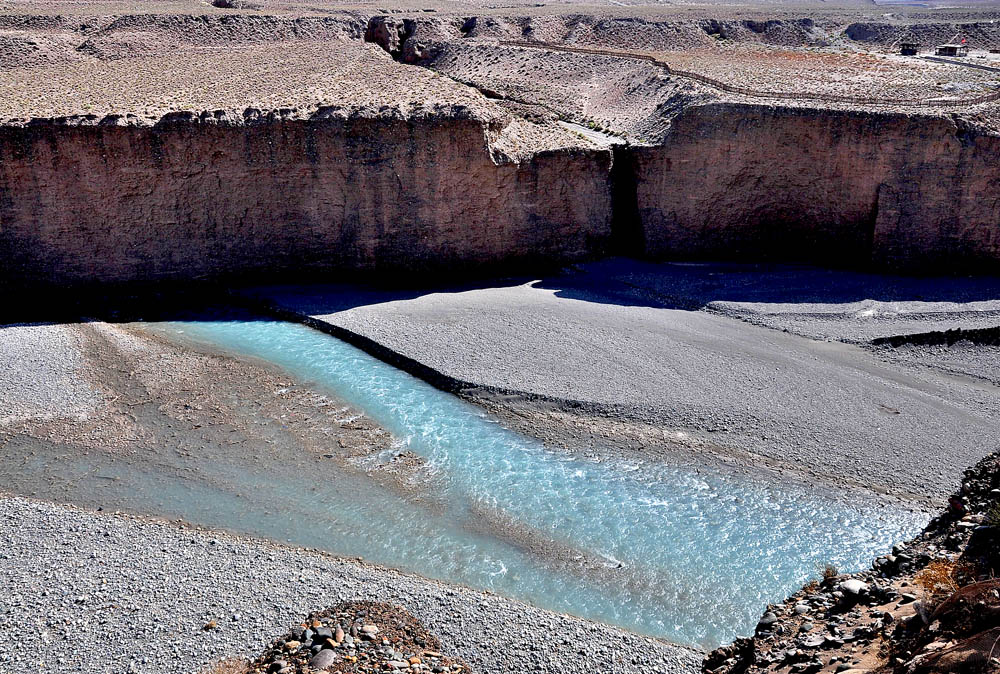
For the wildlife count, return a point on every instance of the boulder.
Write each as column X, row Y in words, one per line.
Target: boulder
column 853, row 586
column 322, row 660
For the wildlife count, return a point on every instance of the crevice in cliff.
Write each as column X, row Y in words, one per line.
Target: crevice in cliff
column 627, row 235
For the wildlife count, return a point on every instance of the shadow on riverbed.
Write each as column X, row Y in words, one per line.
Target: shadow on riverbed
column 686, row 286
column 620, row 281
column 192, row 301
column 695, row 285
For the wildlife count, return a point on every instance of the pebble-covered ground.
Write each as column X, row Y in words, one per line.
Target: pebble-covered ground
column 38, row 368
column 94, row 592
column 628, row 341
column 843, row 72
column 268, row 75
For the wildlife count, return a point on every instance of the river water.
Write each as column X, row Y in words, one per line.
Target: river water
column 688, row 555
column 691, row 555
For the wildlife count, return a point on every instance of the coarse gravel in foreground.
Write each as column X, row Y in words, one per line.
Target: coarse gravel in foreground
column 98, row 592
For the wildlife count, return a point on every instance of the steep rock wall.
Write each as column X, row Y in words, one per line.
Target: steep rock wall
column 749, row 182
column 290, row 198
column 187, row 200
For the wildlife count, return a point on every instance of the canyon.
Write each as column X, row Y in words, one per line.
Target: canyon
column 194, row 197
column 381, row 182
column 203, row 198
column 600, row 327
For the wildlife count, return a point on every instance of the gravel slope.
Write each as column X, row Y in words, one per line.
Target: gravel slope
column 95, row 592
column 607, row 339
column 38, row 368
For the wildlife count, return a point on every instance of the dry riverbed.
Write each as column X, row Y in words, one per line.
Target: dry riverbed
column 653, row 360
column 85, row 585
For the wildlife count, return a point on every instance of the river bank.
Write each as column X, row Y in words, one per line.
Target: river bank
column 138, row 417
column 673, row 361
column 107, row 591
column 115, row 592
column 931, row 604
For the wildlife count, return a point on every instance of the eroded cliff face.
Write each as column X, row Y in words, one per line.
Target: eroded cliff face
column 287, row 198
column 750, row 182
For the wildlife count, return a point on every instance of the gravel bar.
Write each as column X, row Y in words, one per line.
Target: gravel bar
column 634, row 341
column 99, row 592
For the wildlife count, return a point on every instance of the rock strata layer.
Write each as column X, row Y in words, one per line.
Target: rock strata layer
column 878, row 189
column 195, row 197
column 274, row 195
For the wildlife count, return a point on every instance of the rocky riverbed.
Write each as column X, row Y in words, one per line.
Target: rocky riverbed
column 85, row 583
column 94, row 591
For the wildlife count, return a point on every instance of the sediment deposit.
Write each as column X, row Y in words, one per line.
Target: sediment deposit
column 128, row 594
column 566, row 358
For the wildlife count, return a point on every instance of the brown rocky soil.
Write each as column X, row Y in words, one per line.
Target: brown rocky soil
column 354, row 636
column 301, row 76
column 932, row 606
column 189, row 55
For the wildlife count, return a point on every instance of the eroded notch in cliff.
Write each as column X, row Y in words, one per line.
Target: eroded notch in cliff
column 627, row 234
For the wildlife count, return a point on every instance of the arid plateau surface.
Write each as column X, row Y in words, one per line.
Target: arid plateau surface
column 458, row 336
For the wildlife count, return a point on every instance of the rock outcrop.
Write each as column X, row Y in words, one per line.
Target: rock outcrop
column 407, row 40
column 195, row 197
column 450, row 188
column 931, row 606
column 752, row 182
column 355, row 636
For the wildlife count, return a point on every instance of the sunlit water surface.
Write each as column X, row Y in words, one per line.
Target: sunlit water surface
column 691, row 556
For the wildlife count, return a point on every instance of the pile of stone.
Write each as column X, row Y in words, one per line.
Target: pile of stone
column 357, row 636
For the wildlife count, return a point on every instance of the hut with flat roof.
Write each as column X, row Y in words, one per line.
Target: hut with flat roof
column 952, row 50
